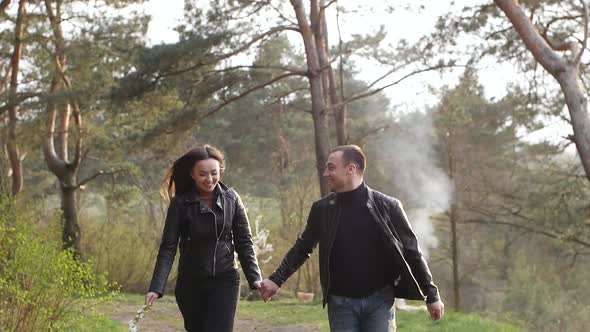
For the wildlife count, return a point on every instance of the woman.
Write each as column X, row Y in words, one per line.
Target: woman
column 207, row 221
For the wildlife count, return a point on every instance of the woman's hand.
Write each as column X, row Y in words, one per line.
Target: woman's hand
column 151, row 297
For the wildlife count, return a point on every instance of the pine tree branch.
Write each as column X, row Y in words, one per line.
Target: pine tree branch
column 245, row 93
column 215, row 58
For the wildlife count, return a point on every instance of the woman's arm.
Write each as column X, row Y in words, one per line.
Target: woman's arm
column 244, row 245
column 168, row 247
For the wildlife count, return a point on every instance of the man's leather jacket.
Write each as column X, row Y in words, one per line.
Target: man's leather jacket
column 414, row 281
column 206, row 249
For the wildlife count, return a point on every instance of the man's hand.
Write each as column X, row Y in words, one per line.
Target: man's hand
column 268, row 289
column 150, row 298
column 436, row 310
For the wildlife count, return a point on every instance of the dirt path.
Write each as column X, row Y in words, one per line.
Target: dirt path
column 165, row 317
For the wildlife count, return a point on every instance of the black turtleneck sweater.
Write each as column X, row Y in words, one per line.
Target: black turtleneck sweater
column 359, row 263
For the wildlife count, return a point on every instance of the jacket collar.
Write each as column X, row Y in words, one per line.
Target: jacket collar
column 221, row 189
column 332, row 197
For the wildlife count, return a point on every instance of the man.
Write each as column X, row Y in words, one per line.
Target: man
column 369, row 254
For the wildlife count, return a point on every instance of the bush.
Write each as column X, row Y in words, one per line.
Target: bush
column 43, row 287
column 547, row 297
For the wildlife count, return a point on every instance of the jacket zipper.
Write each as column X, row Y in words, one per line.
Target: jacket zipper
column 217, row 237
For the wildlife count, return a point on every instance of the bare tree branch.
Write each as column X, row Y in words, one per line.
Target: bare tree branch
column 294, row 71
column 97, row 174
column 372, row 92
column 18, row 99
column 564, row 237
column 372, row 131
column 245, row 93
column 281, row 14
column 322, row 8
column 276, row 99
column 585, row 40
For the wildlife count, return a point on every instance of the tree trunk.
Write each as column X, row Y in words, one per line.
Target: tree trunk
column 320, row 30
column 455, row 258
column 11, row 144
column 453, row 216
column 322, row 141
column 566, row 72
column 71, row 230
column 57, row 162
column 577, row 104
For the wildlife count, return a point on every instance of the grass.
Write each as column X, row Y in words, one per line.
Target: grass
column 95, row 323
column 291, row 312
column 452, row 322
column 285, row 312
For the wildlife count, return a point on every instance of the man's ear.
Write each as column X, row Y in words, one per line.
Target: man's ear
column 351, row 168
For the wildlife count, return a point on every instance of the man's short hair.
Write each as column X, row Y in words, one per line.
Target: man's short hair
column 352, row 154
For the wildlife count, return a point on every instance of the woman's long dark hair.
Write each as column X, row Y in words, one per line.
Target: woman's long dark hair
column 178, row 178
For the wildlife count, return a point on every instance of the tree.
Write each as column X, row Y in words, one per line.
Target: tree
column 212, row 83
column 11, row 142
column 550, row 33
column 565, row 71
column 60, row 88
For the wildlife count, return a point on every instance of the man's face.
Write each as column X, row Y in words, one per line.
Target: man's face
column 337, row 174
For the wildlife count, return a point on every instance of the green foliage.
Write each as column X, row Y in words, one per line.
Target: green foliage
column 548, row 297
column 122, row 232
column 43, row 287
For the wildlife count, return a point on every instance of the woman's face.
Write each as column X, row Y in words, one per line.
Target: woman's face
column 206, row 174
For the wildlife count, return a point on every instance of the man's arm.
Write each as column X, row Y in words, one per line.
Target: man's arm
column 412, row 252
column 296, row 256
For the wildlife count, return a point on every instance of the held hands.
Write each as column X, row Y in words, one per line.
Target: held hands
column 267, row 289
column 436, row 310
column 150, row 298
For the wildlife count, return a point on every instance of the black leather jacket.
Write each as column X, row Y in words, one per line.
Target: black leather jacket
column 414, row 281
column 202, row 253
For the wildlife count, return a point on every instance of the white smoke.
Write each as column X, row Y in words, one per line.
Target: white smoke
column 415, row 172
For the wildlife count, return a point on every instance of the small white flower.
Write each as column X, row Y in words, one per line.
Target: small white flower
column 140, row 314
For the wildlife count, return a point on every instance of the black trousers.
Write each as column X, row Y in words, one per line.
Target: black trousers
column 208, row 304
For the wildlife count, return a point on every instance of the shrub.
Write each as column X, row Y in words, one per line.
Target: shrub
column 43, row 287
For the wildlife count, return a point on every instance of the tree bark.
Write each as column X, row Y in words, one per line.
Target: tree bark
column 565, row 71
column 322, row 141
column 319, row 27
column 11, row 143
column 455, row 257
column 453, row 215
